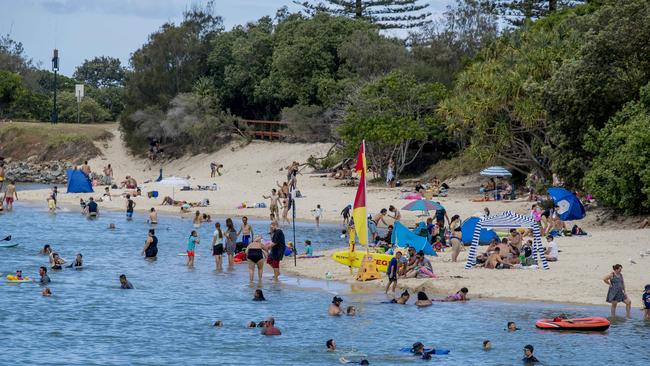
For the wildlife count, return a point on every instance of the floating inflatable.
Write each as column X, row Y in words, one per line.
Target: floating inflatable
column 381, row 260
column 310, row 256
column 14, row 279
column 595, row 324
column 428, row 350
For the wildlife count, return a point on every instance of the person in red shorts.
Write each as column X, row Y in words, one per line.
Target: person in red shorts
column 276, row 253
column 191, row 244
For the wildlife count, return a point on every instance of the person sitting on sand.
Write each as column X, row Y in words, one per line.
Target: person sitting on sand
column 494, row 261
column 421, row 268
column 407, row 262
column 270, row 329
column 461, row 295
column 331, row 345
column 423, row 300
column 124, row 283
column 335, row 307
column 551, row 252
column 404, row 297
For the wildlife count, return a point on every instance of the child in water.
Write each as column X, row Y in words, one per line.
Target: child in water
column 308, row 249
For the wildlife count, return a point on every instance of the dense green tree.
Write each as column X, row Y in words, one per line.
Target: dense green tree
column 110, row 98
column 11, row 87
column 171, row 61
column 12, row 56
column 517, row 12
column 387, row 14
column 305, row 65
column 395, row 116
column 620, row 173
column 101, row 71
column 239, row 60
column 366, row 54
column 89, row 110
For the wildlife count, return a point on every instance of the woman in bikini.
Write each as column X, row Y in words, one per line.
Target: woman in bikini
column 255, row 254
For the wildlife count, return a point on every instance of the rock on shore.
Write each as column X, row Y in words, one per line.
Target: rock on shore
column 31, row 172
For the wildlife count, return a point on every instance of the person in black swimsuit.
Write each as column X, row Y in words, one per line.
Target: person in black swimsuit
column 150, row 249
column 255, row 253
column 259, row 295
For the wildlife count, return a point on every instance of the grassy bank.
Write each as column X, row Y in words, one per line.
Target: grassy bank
column 46, row 142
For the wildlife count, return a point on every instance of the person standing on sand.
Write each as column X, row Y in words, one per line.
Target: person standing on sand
column 285, row 211
column 616, row 292
column 108, row 174
column 217, row 247
column 191, row 245
column 246, row 231
column 276, row 252
column 10, row 194
column 456, row 243
column 392, row 271
column 86, row 168
column 273, row 205
column 318, row 212
column 2, row 174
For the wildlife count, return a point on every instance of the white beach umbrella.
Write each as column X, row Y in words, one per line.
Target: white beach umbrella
column 174, row 182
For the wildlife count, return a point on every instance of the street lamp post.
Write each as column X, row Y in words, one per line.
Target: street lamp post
column 55, row 68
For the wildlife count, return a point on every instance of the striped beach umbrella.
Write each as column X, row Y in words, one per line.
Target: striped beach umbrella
column 496, row 171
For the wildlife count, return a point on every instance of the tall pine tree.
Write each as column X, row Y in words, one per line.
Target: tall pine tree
column 387, row 14
column 516, row 12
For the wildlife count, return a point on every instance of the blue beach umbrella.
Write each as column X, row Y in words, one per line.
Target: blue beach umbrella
column 568, row 205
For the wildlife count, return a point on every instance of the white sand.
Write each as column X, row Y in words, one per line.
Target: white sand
column 251, row 171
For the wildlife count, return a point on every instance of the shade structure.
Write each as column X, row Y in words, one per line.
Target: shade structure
column 78, row 182
column 508, row 220
column 467, row 230
column 496, row 171
column 568, row 205
column 422, row 205
column 403, row 237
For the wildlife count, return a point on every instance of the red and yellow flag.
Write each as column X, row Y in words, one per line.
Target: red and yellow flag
column 359, row 212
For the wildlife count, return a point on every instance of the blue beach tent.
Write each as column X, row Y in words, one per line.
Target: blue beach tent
column 403, row 237
column 468, row 232
column 568, row 205
column 78, row 182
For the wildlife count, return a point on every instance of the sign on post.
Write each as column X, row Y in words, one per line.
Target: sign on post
column 79, row 92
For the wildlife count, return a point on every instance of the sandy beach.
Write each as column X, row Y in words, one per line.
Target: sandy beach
column 251, row 171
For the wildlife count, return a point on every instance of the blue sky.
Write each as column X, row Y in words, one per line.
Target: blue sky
column 82, row 29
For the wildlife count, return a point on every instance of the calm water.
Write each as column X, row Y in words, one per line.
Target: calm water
column 167, row 319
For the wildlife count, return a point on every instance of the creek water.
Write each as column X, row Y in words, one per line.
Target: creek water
column 167, row 319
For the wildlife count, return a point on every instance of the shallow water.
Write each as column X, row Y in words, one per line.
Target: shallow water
column 167, row 318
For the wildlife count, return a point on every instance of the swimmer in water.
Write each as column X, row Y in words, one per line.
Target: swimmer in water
column 111, row 226
column 404, row 297
column 124, row 283
column 487, row 345
column 246, row 231
column 351, row 311
column 46, row 292
column 259, row 295
column 335, row 306
column 251, row 325
column 331, row 345
column 191, row 245
column 270, row 328
column 45, row 279
column 218, row 324
column 511, row 327
column 153, row 217
column 19, row 275
column 77, row 262
column 47, row 250
column 461, row 295
column 150, row 249
column 56, row 262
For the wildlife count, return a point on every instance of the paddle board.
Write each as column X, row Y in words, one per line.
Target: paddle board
column 8, row 245
column 381, row 260
column 185, row 255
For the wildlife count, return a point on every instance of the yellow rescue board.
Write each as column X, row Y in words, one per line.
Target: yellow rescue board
column 381, row 260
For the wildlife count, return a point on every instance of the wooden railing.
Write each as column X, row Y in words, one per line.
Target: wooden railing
column 265, row 130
